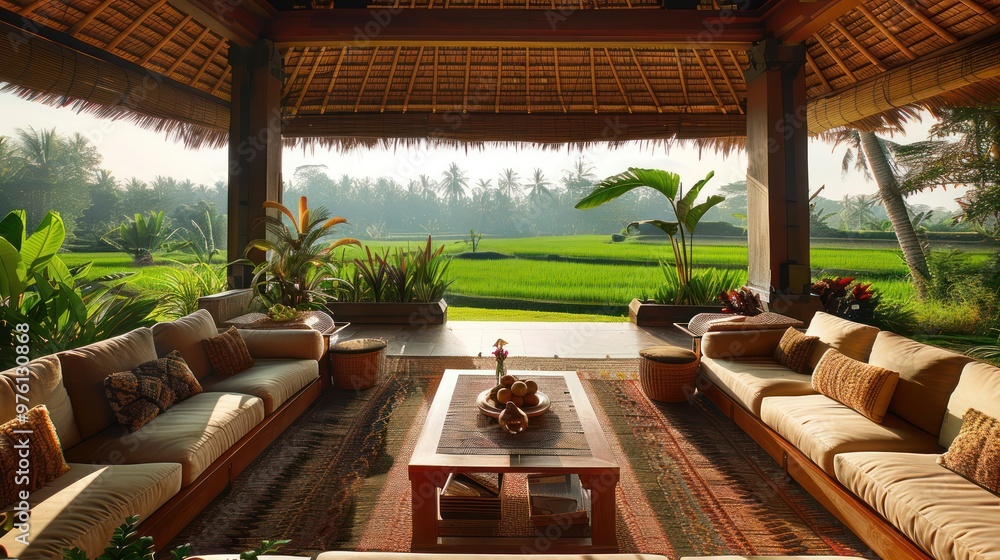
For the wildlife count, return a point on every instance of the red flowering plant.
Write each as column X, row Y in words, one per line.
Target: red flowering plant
column 840, row 298
column 741, row 302
column 500, row 354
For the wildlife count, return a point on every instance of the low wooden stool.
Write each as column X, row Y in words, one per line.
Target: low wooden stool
column 358, row 363
column 668, row 373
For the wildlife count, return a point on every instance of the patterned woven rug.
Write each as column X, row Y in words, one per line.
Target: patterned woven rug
column 691, row 482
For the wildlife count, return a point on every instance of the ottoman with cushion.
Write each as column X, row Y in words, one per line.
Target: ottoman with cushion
column 357, row 364
column 668, row 373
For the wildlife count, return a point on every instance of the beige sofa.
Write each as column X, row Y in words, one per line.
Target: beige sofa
column 868, row 473
column 168, row 470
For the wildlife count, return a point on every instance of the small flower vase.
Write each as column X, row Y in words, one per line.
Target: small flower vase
column 501, row 371
column 513, row 420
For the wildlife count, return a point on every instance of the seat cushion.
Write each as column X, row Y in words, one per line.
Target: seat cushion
column 274, row 381
column 194, row 433
column 185, row 336
column 853, row 340
column 927, row 376
column 85, row 368
column 943, row 513
column 45, row 386
column 822, row 428
column 658, row 354
column 749, row 380
column 82, row 507
column 979, row 388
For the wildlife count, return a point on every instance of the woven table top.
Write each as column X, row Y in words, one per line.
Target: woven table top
column 467, row 431
column 316, row 320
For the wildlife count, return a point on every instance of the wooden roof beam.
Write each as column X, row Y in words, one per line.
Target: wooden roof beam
column 312, row 74
column 885, row 31
column 333, row 81
column 364, row 81
column 836, row 58
column 861, row 48
column 135, row 24
column 817, row 72
column 729, row 81
column 413, row 78
column 190, row 48
column 926, row 20
column 208, row 62
column 968, row 62
column 239, row 22
column 979, row 9
column 621, row 88
column 645, row 80
column 794, row 21
column 85, row 20
column 166, row 39
column 559, row 91
column 516, row 28
column 711, row 82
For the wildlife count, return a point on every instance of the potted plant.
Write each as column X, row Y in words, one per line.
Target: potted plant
column 395, row 287
column 300, row 266
column 684, row 292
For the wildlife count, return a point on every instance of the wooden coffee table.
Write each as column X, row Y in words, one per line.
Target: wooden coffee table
column 582, row 450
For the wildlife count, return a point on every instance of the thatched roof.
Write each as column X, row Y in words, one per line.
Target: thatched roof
column 861, row 69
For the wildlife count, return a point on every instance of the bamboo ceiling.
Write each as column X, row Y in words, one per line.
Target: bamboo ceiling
column 863, row 44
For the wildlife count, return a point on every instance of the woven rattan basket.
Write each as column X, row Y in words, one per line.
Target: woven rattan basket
column 668, row 382
column 357, row 364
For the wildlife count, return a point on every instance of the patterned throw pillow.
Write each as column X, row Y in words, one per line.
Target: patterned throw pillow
column 47, row 463
column 794, row 350
column 975, row 453
column 228, row 353
column 863, row 387
column 138, row 396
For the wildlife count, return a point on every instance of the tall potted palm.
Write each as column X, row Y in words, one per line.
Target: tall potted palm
column 684, row 292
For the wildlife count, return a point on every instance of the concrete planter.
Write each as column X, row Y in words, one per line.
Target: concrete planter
column 368, row 313
column 659, row 315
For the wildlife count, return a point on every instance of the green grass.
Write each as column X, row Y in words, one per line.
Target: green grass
column 481, row 314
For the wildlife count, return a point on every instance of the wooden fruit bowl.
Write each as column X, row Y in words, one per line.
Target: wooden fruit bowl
column 493, row 409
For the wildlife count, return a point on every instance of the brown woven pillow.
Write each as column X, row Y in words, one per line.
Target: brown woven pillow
column 228, row 353
column 794, row 350
column 862, row 387
column 139, row 395
column 975, row 453
column 46, row 458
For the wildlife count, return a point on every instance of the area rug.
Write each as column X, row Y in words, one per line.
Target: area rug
column 691, row 482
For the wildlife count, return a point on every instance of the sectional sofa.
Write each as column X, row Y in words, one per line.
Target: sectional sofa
column 881, row 479
column 171, row 468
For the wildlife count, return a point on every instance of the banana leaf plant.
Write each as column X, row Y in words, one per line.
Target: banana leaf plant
column 680, row 231
column 300, row 266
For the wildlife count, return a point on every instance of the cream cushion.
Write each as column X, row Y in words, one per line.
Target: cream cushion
column 82, row 507
column 300, row 344
column 749, row 380
column 979, row 388
column 741, row 344
column 927, row 376
column 85, row 368
column 273, row 381
column 851, row 339
column 185, row 336
column 45, row 386
column 194, row 432
column 943, row 513
column 822, row 428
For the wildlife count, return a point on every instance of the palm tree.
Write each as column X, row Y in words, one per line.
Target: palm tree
column 858, row 212
column 580, row 178
column 453, row 183
column 539, row 186
column 874, row 157
column 509, row 184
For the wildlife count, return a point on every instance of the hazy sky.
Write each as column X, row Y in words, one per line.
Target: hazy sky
column 132, row 152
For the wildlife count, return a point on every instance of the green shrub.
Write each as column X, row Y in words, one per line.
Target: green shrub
column 179, row 288
column 140, row 237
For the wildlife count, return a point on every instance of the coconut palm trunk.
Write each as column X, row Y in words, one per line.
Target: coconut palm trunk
column 892, row 200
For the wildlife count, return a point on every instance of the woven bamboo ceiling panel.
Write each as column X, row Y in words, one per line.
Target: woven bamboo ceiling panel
column 513, row 80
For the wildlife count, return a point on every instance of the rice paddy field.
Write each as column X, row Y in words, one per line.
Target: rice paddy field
column 530, row 273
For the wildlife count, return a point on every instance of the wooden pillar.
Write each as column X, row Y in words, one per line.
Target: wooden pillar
column 254, row 147
column 777, row 177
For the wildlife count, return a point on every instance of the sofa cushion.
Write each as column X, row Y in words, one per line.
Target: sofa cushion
column 749, row 380
column 34, row 442
column 228, row 353
column 975, row 453
column 352, row 555
column 300, row 344
column 943, row 513
column 194, row 433
column 82, row 507
column 85, row 368
column 741, row 344
column 979, row 388
column 853, row 340
column 273, row 381
column 795, row 350
column 927, row 376
column 45, row 386
column 864, row 388
column 185, row 336
column 822, row 428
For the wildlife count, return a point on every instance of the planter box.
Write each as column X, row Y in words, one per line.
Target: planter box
column 416, row 314
column 659, row 315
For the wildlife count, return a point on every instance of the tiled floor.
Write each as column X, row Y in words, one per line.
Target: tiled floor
column 564, row 340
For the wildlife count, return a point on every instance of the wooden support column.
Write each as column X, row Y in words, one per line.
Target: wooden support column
column 777, row 178
column 254, row 147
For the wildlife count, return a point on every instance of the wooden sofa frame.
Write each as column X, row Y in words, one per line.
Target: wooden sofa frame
column 171, row 518
column 883, row 538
